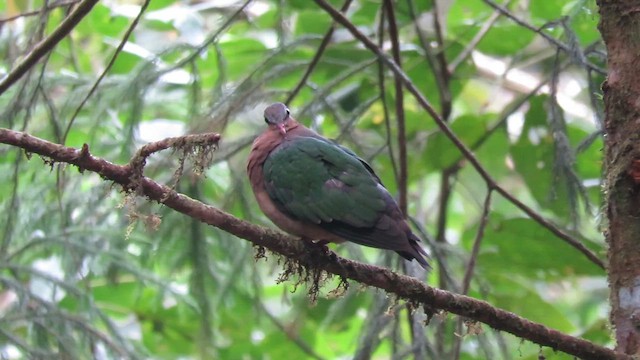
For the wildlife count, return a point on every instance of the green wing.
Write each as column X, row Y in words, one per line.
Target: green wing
column 316, row 181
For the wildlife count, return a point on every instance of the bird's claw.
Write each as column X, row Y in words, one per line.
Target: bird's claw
column 320, row 248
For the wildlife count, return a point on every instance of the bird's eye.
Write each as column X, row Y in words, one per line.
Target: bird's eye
column 266, row 120
column 288, row 113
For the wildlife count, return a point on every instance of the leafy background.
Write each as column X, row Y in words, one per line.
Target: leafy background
column 89, row 272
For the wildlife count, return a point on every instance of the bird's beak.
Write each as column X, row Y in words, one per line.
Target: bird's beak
column 282, row 129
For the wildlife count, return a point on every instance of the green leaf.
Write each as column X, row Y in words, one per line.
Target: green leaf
column 523, row 298
column 101, row 21
column 494, row 152
column 533, row 157
column 546, row 10
column 125, row 63
column 440, row 152
column 526, row 248
column 267, row 20
column 159, row 25
column 365, row 12
column 599, row 332
column 242, row 54
column 584, row 22
column 160, row 4
column 304, row 4
column 463, row 14
column 505, row 38
column 312, row 22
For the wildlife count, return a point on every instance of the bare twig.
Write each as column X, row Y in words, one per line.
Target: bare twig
column 440, row 55
column 446, row 179
column 377, row 320
column 466, row 282
column 383, row 98
column 47, row 44
column 293, row 336
column 210, row 40
column 37, row 12
column 557, row 43
column 441, row 76
column 474, row 42
column 322, row 260
column 446, row 130
column 12, row 209
column 484, row 219
column 402, row 136
column 316, row 58
column 123, row 42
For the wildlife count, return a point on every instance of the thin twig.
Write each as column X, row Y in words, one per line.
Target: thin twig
column 37, row 12
column 399, row 107
column 123, row 42
column 484, row 219
column 294, row 337
column 446, row 130
column 559, row 44
column 474, row 42
column 447, row 177
column 437, row 24
column 211, row 39
column 377, row 320
column 46, row 45
column 441, row 76
column 440, row 55
column 383, row 99
column 466, row 282
column 12, row 210
column 316, row 58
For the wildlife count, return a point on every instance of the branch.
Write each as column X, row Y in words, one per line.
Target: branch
column 383, row 99
column 402, row 136
column 464, row 54
column 309, row 259
column 557, row 43
column 47, row 44
column 316, row 58
column 441, row 57
column 112, row 61
column 38, row 12
column 466, row 282
column 446, row 130
column 436, row 61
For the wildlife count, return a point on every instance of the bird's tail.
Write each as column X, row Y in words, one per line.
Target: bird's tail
column 416, row 252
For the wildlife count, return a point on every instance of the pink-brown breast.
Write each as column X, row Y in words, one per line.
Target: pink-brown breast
column 262, row 146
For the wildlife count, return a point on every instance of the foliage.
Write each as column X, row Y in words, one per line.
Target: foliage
column 88, row 271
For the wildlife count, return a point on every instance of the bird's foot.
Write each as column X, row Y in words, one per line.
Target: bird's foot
column 322, row 242
column 314, row 245
column 319, row 247
column 318, row 250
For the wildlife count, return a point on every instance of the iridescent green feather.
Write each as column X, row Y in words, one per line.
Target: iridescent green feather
column 317, row 181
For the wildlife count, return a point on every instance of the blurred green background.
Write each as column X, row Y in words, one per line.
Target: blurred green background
column 86, row 273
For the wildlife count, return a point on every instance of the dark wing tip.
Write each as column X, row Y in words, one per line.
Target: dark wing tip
column 411, row 255
column 416, row 252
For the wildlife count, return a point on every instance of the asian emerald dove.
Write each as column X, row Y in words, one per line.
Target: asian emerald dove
column 313, row 188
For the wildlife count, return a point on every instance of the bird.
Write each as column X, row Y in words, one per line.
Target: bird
column 313, row 188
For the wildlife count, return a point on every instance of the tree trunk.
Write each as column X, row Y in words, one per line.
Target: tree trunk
column 620, row 28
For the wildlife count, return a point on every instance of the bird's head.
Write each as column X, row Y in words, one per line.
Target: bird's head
column 277, row 116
